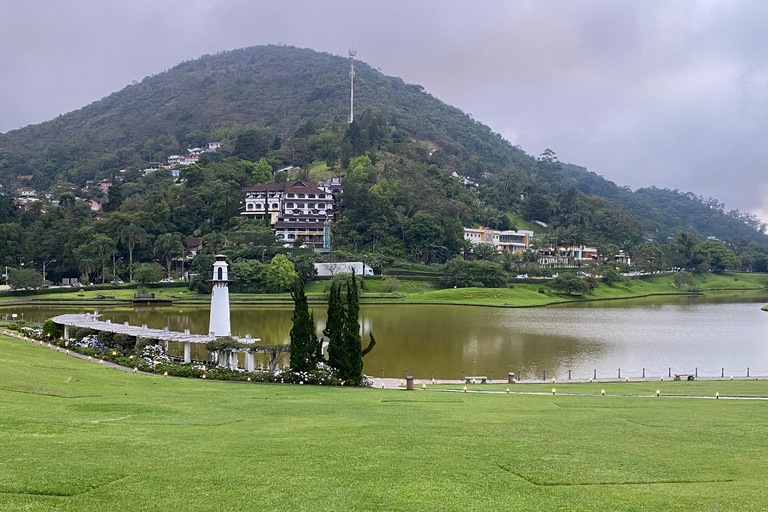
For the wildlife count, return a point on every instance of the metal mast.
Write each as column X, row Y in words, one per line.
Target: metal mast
column 352, row 55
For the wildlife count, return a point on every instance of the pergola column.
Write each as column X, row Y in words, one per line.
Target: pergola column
column 249, row 362
column 187, row 352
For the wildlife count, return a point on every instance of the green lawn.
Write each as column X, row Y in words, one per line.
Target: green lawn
column 77, row 436
column 117, row 293
column 427, row 292
column 528, row 294
column 726, row 388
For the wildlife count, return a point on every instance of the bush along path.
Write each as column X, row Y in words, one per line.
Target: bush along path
column 146, row 355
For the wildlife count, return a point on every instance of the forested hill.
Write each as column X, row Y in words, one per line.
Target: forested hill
column 665, row 212
column 276, row 87
column 295, row 95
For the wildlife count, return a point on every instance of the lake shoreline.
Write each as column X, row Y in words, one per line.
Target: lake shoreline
column 521, row 295
column 562, row 299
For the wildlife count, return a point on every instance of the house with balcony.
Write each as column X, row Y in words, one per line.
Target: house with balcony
column 295, row 210
column 506, row 241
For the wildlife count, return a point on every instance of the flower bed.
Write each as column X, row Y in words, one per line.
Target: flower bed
column 148, row 355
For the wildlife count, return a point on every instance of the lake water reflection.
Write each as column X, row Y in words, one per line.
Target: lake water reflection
column 679, row 332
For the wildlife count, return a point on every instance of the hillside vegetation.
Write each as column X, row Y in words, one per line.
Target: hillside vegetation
column 275, row 106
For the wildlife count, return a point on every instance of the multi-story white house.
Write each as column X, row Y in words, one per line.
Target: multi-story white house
column 294, row 209
column 506, row 241
column 567, row 255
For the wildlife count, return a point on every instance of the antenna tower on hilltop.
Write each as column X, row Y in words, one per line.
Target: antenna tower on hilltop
column 352, row 55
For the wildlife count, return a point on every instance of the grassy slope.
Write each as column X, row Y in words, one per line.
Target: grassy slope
column 78, row 436
column 117, row 293
column 426, row 292
column 520, row 223
column 527, row 294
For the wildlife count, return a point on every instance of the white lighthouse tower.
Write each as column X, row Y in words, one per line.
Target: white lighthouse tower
column 219, row 324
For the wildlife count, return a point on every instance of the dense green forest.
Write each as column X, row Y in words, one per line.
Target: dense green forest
column 275, row 106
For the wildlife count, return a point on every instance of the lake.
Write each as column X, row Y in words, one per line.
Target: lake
column 716, row 334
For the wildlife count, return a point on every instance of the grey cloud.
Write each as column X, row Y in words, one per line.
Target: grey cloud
column 647, row 93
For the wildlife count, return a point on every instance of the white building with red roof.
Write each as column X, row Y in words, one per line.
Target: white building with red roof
column 295, row 209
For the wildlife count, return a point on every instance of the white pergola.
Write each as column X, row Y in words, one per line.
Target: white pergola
column 91, row 321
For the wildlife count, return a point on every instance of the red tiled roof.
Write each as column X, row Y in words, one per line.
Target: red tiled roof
column 295, row 187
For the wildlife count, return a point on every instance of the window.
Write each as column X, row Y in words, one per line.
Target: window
column 299, row 205
column 221, row 274
column 301, row 196
column 311, row 196
column 291, row 195
column 289, row 205
column 250, row 206
column 274, row 206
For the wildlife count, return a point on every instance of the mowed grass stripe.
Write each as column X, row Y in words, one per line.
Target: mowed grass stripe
column 195, row 445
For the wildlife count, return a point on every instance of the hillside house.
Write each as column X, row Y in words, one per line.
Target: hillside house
column 332, row 185
column 214, row 146
column 195, row 245
column 26, row 192
column 469, row 183
column 104, row 185
column 295, row 209
column 95, row 204
column 506, row 241
column 567, row 255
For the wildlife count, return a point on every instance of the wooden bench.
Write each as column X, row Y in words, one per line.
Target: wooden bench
column 475, row 380
column 688, row 376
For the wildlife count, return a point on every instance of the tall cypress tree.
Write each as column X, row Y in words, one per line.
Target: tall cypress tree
column 351, row 367
column 304, row 340
column 334, row 328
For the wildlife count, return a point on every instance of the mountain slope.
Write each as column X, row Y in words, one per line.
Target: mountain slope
column 218, row 96
column 271, row 86
column 665, row 212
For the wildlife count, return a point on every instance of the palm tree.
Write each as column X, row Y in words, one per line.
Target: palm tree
column 168, row 246
column 104, row 246
column 130, row 235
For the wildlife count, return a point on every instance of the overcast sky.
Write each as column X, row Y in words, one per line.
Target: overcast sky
column 672, row 94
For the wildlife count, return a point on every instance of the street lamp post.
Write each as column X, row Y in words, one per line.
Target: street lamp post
column 114, row 266
column 45, row 264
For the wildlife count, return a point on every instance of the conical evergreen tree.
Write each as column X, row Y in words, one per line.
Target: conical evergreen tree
column 303, row 334
column 351, row 367
column 352, row 370
column 334, row 328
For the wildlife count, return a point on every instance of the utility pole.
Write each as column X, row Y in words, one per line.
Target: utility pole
column 352, row 55
column 45, row 264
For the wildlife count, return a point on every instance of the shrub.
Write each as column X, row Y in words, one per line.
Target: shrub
column 462, row 273
column 52, row 330
column 391, row 283
column 570, row 284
